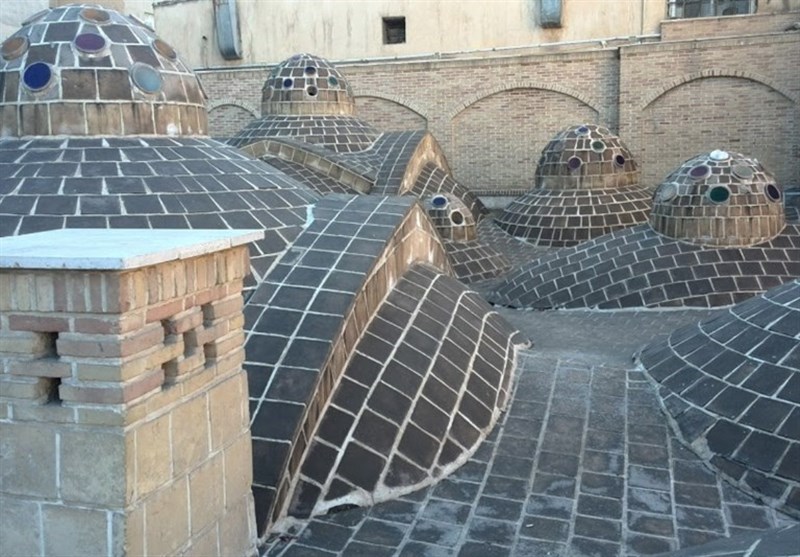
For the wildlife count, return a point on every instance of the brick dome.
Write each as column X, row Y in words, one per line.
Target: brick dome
column 84, row 70
column 719, row 199
column 586, row 185
column 306, row 85
column 586, row 156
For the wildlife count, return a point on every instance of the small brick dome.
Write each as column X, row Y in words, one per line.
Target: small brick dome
column 452, row 217
column 306, row 85
column 586, row 156
column 719, row 199
column 85, row 70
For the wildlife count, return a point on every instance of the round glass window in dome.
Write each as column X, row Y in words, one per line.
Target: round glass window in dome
column 96, row 15
column 719, row 155
column 598, row 146
column 582, row 130
column 165, row 49
column 772, row 192
column 14, row 47
column 700, row 172
column 619, row 160
column 439, row 201
column 90, row 43
column 719, row 194
column 743, row 171
column 574, row 163
column 37, row 76
column 288, row 82
column 146, row 77
column 667, row 192
column 312, row 90
column 310, row 70
column 457, row 218
column 332, row 81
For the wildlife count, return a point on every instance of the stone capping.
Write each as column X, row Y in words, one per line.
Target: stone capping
column 117, row 249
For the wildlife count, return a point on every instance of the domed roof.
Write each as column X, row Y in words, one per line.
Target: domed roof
column 719, row 199
column 584, row 157
column 84, row 70
column 306, row 85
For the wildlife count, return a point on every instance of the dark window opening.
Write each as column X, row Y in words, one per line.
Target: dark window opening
column 394, row 30
column 709, row 8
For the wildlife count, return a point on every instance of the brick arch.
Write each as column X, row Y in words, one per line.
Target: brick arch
column 687, row 78
column 227, row 101
column 527, row 84
column 402, row 101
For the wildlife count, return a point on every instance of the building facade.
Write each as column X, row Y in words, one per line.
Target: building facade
column 701, row 84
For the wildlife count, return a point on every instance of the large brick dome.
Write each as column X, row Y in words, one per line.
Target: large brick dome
column 719, row 199
column 83, row 70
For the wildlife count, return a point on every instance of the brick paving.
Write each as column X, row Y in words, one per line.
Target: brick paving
column 582, row 463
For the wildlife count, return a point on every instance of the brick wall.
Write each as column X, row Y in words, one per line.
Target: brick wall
column 389, row 115
column 227, row 120
column 492, row 115
column 680, row 99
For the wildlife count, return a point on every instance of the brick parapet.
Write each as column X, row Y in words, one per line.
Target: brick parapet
column 125, row 390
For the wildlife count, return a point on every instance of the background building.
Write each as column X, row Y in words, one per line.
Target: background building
column 672, row 87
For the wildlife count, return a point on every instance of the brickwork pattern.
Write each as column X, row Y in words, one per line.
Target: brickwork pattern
column 581, row 464
column 337, row 273
column 637, row 267
column 126, row 390
column 341, row 134
column 53, row 183
column 731, row 386
column 558, row 218
column 387, row 115
column 406, row 420
column 227, row 120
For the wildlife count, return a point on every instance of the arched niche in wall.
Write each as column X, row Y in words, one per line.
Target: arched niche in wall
column 699, row 112
column 497, row 137
column 227, row 118
column 390, row 112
